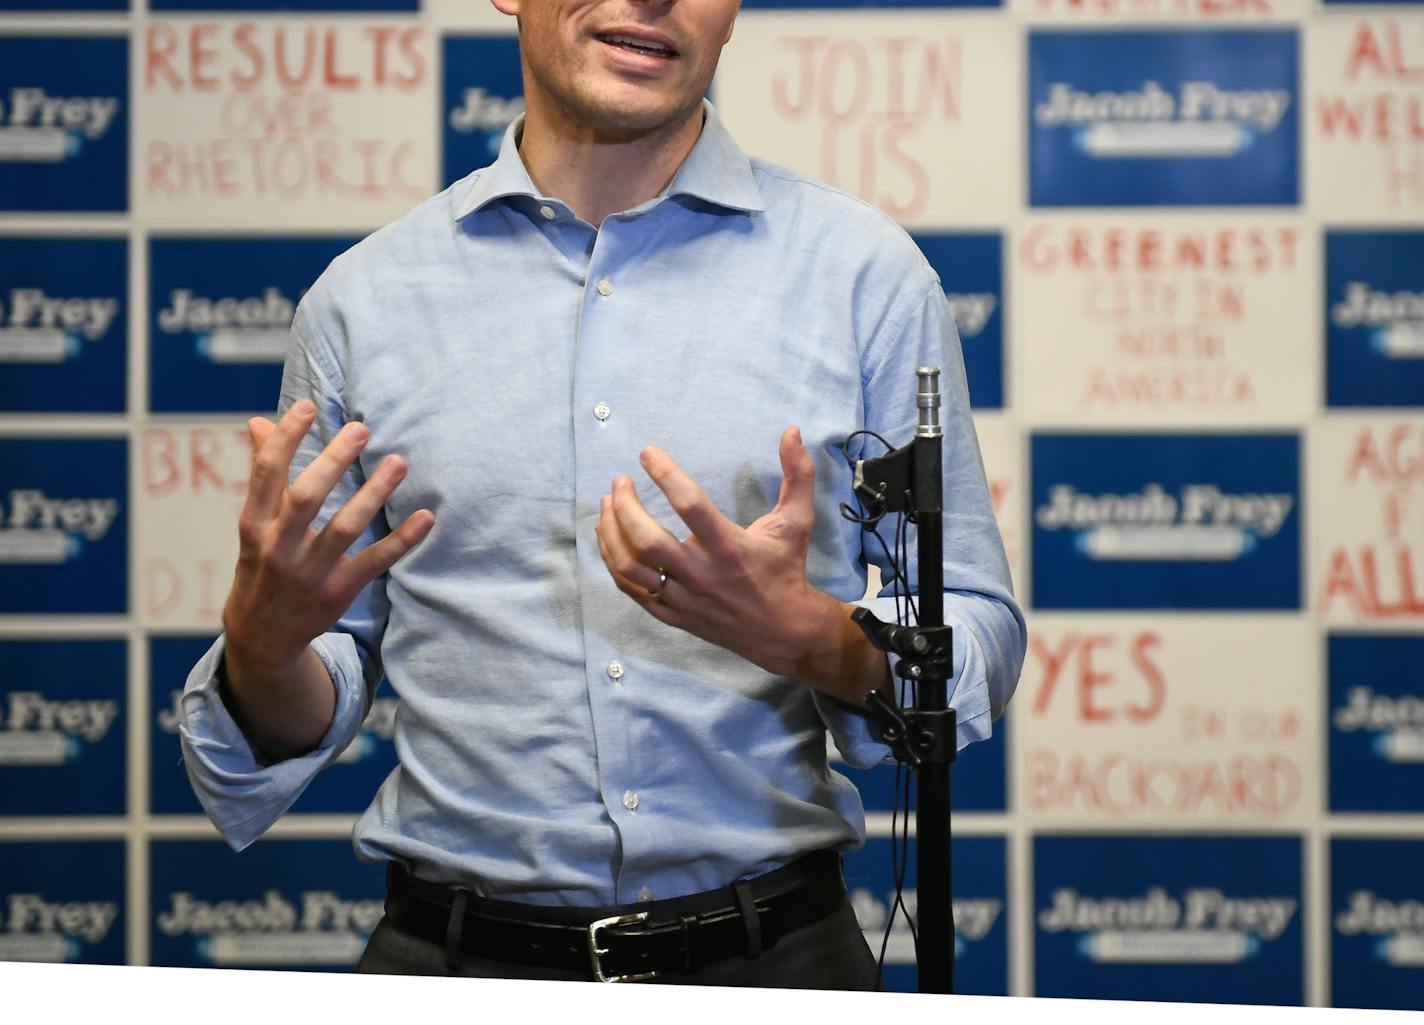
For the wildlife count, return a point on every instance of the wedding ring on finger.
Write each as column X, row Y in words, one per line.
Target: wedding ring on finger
column 657, row 592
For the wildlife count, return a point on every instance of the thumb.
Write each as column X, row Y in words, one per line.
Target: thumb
column 798, row 481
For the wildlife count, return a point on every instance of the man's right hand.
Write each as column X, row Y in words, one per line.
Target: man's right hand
column 293, row 583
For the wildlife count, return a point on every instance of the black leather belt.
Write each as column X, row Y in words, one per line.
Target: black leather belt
column 627, row 943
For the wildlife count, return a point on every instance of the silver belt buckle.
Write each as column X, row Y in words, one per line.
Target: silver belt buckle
column 595, row 952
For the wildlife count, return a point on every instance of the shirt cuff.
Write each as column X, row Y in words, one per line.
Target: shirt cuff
column 969, row 697
column 242, row 795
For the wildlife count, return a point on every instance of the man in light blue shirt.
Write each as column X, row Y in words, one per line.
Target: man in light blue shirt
column 570, row 375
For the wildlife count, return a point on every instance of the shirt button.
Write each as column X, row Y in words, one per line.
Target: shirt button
column 615, row 670
column 602, row 411
column 605, row 286
column 630, row 800
column 645, row 895
column 546, row 212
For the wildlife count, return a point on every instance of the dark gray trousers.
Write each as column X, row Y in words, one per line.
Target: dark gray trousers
column 829, row 954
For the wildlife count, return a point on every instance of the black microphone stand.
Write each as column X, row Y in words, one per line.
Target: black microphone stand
column 909, row 480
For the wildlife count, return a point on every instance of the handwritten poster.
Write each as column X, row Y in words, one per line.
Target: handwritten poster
column 1169, row 721
column 1367, row 493
column 1165, row 319
column 909, row 115
column 314, row 124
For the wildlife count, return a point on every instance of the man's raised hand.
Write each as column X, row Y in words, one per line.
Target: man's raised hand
column 292, row 582
column 744, row 589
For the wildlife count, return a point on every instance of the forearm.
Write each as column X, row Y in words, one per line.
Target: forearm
column 283, row 711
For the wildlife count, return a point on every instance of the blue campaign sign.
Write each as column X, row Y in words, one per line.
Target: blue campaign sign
column 1164, row 117
column 62, row 901
column 50, row 6
column 981, row 913
column 971, row 268
column 977, row 778
column 1374, row 318
column 343, row 6
column 345, row 786
column 1166, row 521
column 219, row 314
column 1194, row 918
column 63, row 329
column 62, row 727
column 1377, row 923
column 483, row 91
column 64, row 525
column 304, row 904
column 64, row 123
column 1376, row 723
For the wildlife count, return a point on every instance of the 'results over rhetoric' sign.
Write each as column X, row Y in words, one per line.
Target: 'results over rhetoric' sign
column 302, row 123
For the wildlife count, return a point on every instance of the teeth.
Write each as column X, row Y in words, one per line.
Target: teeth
column 637, row 44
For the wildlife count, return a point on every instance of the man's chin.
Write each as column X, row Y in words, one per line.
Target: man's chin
column 618, row 120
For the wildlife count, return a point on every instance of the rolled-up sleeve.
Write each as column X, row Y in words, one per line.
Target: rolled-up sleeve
column 242, row 794
column 990, row 637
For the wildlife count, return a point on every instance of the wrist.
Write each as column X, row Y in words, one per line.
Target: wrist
column 835, row 656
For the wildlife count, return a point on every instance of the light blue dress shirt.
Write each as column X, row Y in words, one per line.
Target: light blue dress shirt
column 557, row 744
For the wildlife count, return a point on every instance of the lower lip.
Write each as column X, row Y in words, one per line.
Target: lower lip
column 636, row 61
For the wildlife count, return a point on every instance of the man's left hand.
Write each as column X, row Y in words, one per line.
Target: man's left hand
column 744, row 589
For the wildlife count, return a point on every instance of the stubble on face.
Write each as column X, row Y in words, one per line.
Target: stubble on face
column 574, row 85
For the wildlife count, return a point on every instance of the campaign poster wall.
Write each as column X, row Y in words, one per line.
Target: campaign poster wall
column 192, row 479
column 1136, row 12
column 63, row 333
column 905, row 111
column 281, row 904
column 1366, row 133
column 64, row 122
column 64, row 515
column 62, row 901
column 1181, row 241
column 1164, row 319
column 482, row 93
column 972, row 265
column 220, row 310
column 1162, row 521
column 884, row 866
column 1002, row 450
column 1130, row 722
column 1376, row 923
column 1376, row 722
column 1204, row 918
column 63, row 741
column 1164, row 118
column 1374, row 316
column 288, row 122
column 1367, row 494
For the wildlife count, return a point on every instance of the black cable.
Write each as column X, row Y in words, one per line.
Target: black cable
column 899, row 583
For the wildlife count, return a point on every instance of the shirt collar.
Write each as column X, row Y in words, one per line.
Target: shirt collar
column 716, row 171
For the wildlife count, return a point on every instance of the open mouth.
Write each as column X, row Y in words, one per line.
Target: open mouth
column 638, row 44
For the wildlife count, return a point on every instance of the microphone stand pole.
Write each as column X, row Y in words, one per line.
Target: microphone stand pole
column 910, row 480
